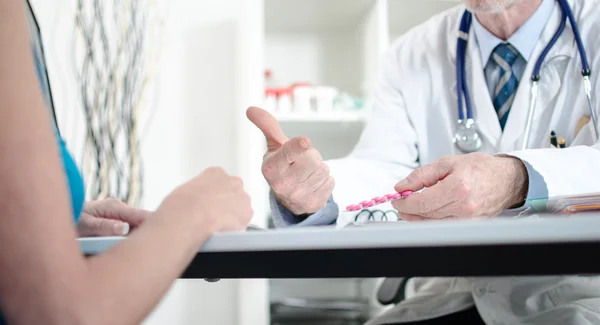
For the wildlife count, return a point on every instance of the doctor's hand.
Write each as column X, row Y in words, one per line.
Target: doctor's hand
column 294, row 170
column 466, row 186
column 109, row 217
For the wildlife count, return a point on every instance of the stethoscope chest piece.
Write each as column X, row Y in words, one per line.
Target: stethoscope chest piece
column 467, row 137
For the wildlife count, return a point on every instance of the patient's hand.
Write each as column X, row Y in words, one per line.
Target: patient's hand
column 294, row 170
column 109, row 217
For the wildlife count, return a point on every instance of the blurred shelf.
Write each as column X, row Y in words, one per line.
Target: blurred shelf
column 330, row 117
column 294, row 15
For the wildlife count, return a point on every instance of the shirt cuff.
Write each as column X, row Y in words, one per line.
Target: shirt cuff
column 538, row 189
column 282, row 217
column 537, row 193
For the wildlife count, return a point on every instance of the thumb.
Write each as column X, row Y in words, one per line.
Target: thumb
column 269, row 126
column 425, row 176
column 90, row 226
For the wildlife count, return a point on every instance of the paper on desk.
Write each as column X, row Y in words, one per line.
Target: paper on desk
column 569, row 204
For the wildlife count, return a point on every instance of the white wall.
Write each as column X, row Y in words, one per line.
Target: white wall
column 192, row 130
column 375, row 39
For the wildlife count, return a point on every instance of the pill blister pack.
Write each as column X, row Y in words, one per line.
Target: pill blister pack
column 377, row 201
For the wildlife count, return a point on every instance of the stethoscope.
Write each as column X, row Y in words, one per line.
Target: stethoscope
column 467, row 138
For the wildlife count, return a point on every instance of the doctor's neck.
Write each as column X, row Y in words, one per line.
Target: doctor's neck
column 503, row 17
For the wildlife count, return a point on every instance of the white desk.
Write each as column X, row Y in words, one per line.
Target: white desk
column 500, row 247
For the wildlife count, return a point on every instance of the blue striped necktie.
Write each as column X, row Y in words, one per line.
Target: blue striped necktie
column 505, row 55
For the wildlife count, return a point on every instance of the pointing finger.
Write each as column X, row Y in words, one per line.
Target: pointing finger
column 425, row 176
column 269, row 126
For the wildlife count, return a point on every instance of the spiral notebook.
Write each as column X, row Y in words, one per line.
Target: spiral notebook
column 375, row 216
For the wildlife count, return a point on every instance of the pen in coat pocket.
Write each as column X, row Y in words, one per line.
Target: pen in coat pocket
column 553, row 140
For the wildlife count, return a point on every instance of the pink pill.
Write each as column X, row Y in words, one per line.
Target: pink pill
column 368, row 204
column 353, row 207
column 389, row 196
column 396, row 196
column 407, row 193
column 380, row 199
column 363, row 202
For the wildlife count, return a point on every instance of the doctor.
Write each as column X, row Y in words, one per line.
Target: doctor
column 410, row 139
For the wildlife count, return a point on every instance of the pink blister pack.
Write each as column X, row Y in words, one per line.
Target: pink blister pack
column 377, row 201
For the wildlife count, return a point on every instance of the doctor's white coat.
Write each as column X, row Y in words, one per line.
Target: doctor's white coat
column 413, row 122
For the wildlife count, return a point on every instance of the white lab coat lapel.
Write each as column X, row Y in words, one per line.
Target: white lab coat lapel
column 549, row 86
column 451, row 39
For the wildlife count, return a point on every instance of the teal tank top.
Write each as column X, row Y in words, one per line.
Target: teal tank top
column 73, row 176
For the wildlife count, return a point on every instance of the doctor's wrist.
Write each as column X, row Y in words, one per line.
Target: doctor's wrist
column 518, row 181
column 297, row 212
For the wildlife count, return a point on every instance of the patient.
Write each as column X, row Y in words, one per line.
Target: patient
column 44, row 279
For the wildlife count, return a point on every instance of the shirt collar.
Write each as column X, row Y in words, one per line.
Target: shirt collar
column 524, row 39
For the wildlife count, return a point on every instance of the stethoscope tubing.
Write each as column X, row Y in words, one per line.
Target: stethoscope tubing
column 461, row 86
column 465, row 111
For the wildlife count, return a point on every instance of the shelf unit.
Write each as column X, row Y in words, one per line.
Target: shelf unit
column 330, row 42
column 336, row 42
